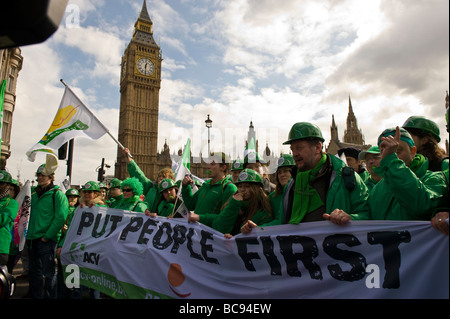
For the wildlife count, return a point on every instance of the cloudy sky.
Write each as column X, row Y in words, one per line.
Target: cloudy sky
column 271, row 62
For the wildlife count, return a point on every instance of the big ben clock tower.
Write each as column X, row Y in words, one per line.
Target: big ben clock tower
column 140, row 82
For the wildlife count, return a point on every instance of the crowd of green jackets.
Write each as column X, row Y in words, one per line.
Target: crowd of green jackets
column 402, row 194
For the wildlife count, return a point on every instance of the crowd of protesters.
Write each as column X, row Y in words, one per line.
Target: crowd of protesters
column 404, row 177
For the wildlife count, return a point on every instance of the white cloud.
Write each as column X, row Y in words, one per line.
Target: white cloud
column 104, row 48
column 270, row 63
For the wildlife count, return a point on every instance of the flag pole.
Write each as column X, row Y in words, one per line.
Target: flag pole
column 92, row 114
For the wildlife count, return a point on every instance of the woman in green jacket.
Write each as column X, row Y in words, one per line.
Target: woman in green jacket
column 72, row 196
column 91, row 195
column 168, row 193
column 132, row 190
column 249, row 203
column 8, row 213
column 283, row 176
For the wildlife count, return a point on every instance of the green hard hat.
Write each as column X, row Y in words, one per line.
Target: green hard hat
column 249, row 176
column 237, row 165
column 286, row 160
column 5, row 177
column 115, row 182
column 404, row 135
column 303, row 130
column 91, row 186
column 102, row 185
column 72, row 192
column 371, row 150
column 252, row 157
column 423, row 124
column 40, row 169
column 166, row 184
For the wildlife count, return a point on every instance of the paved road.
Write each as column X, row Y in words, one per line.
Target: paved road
column 21, row 283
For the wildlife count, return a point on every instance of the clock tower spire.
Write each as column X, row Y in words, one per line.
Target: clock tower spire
column 140, row 83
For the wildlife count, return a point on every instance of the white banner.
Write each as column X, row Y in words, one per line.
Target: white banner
column 130, row 255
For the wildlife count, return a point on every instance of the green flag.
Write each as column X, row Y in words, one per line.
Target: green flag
column 184, row 165
column 250, row 154
column 2, row 97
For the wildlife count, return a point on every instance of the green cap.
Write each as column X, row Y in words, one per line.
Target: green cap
column 115, row 182
column 249, row 176
column 40, row 169
column 252, row 157
column 72, row 192
column 5, row 177
column 166, row 184
column 286, row 160
column 15, row 182
column 371, row 150
column 302, row 130
column 91, row 186
column 404, row 135
column 422, row 124
column 237, row 165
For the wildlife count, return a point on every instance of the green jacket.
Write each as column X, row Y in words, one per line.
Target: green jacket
column 209, row 199
column 8, row 213
column 48, row 214
column 133, row 204
column 165, row 208
column 150, row 188
column 226, row 220
column 69, row 218
column 403, row 194
column 276, row 201
column 338, row 196
column 113, row 201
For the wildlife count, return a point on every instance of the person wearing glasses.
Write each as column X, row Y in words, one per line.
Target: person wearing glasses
column 132, row 190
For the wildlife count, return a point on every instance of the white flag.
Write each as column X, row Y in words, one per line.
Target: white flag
column 73, row 119
column 24, row 201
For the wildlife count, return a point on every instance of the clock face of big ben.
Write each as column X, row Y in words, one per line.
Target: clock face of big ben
column 145, row 66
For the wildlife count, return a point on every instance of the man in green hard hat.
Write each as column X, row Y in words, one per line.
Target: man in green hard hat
column 49, row 208
column 321, row 183
column 236, row 169
column 372, row 158
column 426, row 136
column 115, row 192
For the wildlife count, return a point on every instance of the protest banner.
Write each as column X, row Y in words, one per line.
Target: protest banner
column 130, row 255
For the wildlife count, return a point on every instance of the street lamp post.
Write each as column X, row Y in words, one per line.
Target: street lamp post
column 208, row 125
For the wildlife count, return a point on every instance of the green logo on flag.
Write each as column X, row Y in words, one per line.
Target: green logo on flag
column 78, row 125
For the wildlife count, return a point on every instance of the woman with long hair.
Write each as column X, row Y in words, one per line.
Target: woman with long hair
column 249, row 203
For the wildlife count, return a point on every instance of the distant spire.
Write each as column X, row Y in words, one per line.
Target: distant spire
column 350, row 107
column 144, row 12
column 334, row 129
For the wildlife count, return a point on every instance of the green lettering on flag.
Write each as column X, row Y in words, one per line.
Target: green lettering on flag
column 111, row 286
